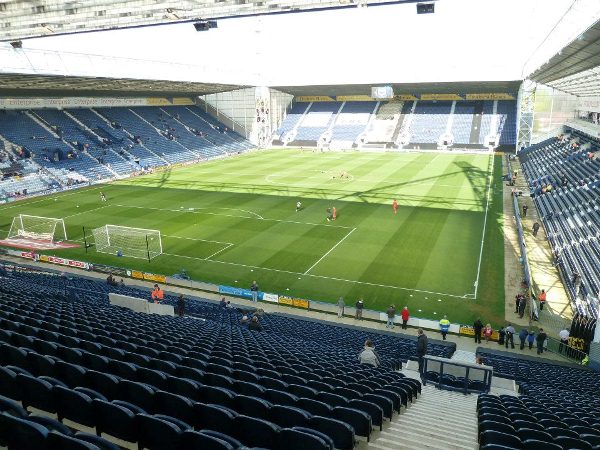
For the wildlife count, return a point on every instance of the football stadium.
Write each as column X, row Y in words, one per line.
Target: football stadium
column 299, row 225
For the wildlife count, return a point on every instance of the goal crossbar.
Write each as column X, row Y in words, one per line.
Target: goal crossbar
column 128, row 241
column 37, row 228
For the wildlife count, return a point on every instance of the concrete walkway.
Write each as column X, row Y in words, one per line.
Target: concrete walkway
column 557, row 313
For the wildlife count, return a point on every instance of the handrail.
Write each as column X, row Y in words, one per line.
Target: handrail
column 462, row 370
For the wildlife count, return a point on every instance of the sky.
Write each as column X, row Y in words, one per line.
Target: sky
column 465, row 40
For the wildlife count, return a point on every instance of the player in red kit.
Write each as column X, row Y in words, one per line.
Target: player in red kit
column 395, row 206
column 333, row 213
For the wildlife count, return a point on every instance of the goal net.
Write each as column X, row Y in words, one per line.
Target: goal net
column 128, row 241
column 36, row 228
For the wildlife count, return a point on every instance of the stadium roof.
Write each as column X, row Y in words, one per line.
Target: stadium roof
column 511, row 87
column 26, row 19
column 576, row 68
column 57, row 85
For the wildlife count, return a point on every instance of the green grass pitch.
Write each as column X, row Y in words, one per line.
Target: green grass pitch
column 233, row 221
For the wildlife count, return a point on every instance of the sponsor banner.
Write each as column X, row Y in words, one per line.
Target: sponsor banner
column 355, row 98
column 297, row 302
column 20, row 254
column 109, row 269
column 89, row 102
column 238, row 292
column 441, row 97
column 314, row 98
column 69, row 102
column 405, row 97
column 468, row 330
column 273, row 298
column 147, row 276
column 63, row 261
column 490, row 96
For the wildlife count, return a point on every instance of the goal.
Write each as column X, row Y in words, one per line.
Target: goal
column 37, row 228
column 128, row 241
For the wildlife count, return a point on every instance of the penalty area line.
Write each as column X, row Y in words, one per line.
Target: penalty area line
column 487, row 205
column 330, row 250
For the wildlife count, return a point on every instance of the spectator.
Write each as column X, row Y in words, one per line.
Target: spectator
column 530, row 338
column 158, row 294
column 536, row 228
column 444, row 327
column 525, row 208
column 510, row 332
column 421, row 349
column 223, row 303
column 245, row 320
column 181, row 306
column 564, row 340
column 542, row 299
column 487, row 333
column 522, row 305
column 479, row 360
column 341, row 305
column 477, row 327
column 522, row 338
column 405, row 316
column 576, row 280
column 541, row 338
column 259, row 313
column 254, row 289
column 368, row 355
column 255, row 325
column 359, row 309
column 121, row 282
column 391, row 315
column 110, row 280
column 501, row 334
column 517, row 302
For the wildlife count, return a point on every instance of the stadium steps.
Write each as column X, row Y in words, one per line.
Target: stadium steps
column 476, row 125
column 208, row 123
column 131, row 136
column 437, row 420
column 464, row 356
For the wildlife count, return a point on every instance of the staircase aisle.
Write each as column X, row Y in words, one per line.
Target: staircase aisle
column 436, row 420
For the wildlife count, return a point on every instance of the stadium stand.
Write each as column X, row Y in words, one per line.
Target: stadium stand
column 316, row 121
column 48, row 149
column 351, row 122
column 429, row 122
column 110, row 368
column 557, row 407
column 425, row 124
column 569, row 210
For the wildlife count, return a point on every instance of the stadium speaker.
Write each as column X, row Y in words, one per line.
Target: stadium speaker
column 17, row 44
column 425, row 8
column 205, row 25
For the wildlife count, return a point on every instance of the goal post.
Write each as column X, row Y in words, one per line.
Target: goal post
column 38, row 228
column 128, row 241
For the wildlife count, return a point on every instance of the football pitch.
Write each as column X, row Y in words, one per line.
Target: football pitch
column 233, row 221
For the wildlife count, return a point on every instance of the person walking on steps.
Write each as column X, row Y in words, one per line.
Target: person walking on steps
column 542, row 299
column 536, row 228
column 525, row 208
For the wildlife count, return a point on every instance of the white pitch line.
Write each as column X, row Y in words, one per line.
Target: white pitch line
column 195, row 239
column 231, row 215
column 487, row 204
column 387, row 286
column 219, row 251
column 86, row 211
column 330, row 250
